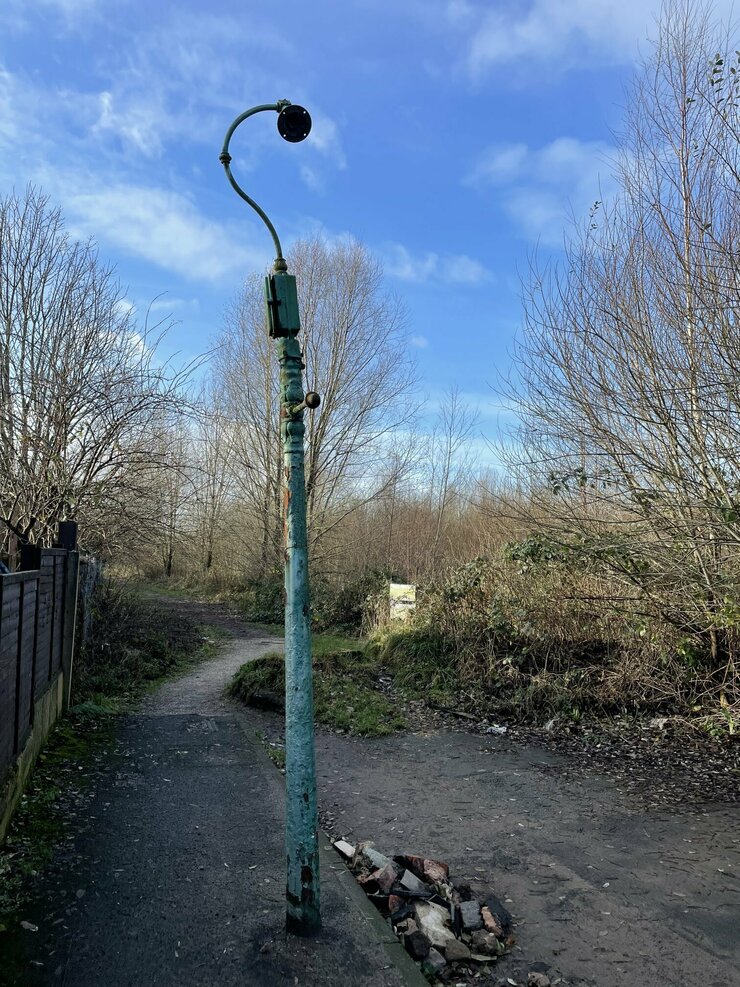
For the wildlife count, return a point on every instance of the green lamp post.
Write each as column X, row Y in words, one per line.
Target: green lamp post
column 301, row 817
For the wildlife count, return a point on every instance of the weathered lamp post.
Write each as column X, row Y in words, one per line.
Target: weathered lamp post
column 301, row 818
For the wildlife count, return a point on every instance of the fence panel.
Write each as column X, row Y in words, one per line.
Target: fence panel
column 57, row 633
column 38, row 606
column 26, row 656
column 8, row 669
column 44, row 626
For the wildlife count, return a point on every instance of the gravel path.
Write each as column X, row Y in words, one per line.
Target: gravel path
column 604, row 891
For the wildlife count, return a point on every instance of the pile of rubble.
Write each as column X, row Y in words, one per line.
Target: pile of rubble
column 438, row 920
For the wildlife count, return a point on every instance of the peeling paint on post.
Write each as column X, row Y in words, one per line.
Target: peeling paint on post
column 281, row 296
column 301, row 817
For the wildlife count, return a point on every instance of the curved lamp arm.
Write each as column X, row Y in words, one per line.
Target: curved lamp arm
column 225, row 159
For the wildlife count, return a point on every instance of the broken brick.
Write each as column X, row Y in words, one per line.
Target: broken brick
column 456, row 951
column 434, row 963
column 395, row 903
column 491, row 923
column 486, row 942
column 386, row 877
column 346, row 849
column 435, row 871
column 499, row 911
column 433, row 920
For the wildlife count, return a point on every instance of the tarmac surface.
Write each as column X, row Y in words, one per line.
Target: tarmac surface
column 177, row 874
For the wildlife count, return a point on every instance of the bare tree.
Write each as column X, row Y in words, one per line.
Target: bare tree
column 629, row 366
column 211, row 474
column 81, row 391
column 356, row 357
column 449, row 467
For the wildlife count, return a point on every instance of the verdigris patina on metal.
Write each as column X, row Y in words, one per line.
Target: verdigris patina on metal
column 303, row 914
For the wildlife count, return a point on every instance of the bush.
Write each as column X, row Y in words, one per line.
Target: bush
column 132, row 642
column 335, row 605
column 343, row 605
column 345, row 687
column 532, row 636
column 263, row 600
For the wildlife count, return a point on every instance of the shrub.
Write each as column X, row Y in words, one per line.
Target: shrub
column 345, row 686
column 131, row 642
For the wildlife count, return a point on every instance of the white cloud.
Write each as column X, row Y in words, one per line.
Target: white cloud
column 549, row 30
column 125, row 307
column 461, row 269
column 400, row 263
column 561, row 33
column 420, row 342
column 162, row 227
column 325, row 138
column 543, row 188
column 500, row 163
column 164, row 303
column 9, row 114
column 70, row 10
column 312, row 179
column 140, row 125
column 149, row 222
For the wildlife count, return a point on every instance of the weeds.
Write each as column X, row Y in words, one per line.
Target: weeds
column 347, row 696
column 529, row 637
column 274, row 750
column 135, row 643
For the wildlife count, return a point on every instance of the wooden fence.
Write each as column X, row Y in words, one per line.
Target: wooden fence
column 38, row 607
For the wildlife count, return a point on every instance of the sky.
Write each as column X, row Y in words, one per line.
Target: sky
column 453, row 137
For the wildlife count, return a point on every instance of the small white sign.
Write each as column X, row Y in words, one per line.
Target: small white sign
column 402, row 600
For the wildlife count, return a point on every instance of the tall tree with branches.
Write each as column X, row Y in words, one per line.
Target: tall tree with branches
column 82, row 395
column 629, row 364
column 356, row 356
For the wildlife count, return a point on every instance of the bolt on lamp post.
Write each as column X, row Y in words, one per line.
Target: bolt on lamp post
column 301, row 818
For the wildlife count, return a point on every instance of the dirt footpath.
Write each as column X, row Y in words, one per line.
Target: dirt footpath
column 607, row 893
column 604, row 890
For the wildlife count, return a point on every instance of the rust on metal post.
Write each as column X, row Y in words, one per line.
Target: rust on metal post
column 301, row 825
column 302, row 888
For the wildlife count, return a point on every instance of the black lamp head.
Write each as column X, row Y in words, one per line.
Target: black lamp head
column 294, row 123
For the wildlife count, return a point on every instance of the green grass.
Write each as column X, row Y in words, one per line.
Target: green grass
column 170, row 588
column 274, row 751
column 345, row 685
column 419, row 659
column 328, row 644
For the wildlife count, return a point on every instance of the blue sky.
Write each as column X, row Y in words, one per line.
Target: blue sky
column 451, row 136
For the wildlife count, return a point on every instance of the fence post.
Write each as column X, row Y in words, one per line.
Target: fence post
column 67, row 539
column 70, row 620
column 30, row 558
